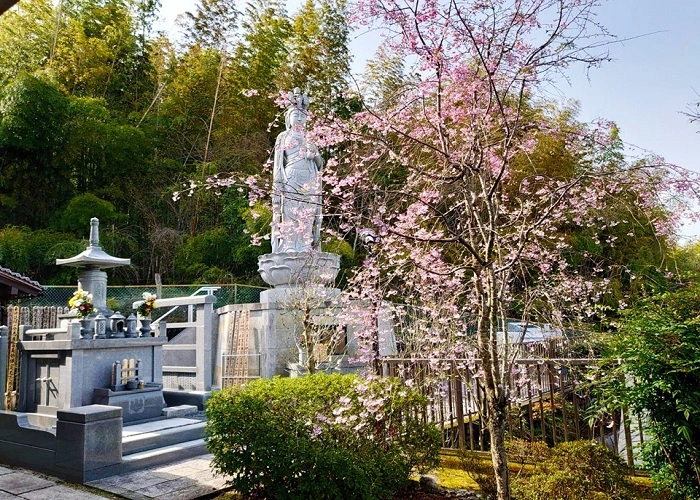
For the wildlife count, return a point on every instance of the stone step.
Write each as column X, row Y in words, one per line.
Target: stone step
column 179, row 411
column 163, row 455
column 144, row 437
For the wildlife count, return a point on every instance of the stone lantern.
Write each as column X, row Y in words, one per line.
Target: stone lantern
column 91, row 261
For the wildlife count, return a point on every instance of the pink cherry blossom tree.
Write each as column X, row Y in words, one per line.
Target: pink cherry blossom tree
column 469, row 224
column 471, row 229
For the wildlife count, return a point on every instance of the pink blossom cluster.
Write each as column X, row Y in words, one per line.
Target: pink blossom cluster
column 366, row 411
column 449, row 175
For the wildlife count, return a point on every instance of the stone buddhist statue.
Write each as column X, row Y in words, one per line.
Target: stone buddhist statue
column 296, row 180
column 296, row 259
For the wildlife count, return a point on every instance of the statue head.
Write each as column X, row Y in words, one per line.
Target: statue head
column 298, row 108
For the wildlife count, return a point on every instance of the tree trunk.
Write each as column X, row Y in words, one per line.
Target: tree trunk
column 499, row 459
column 494, row 387
column 309, row 340
column 496, row 424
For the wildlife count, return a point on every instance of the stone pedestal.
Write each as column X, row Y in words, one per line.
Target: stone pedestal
column 298, row 278
column 289, row 296
column 290, row 269
column 137, row 404
column 95, row 282
column 88, row 438
column 272, row 339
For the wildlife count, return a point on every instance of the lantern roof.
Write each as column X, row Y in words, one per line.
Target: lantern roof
column 93, row 257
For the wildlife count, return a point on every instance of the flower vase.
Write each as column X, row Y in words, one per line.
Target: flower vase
column 146, row 326
column 85, row 331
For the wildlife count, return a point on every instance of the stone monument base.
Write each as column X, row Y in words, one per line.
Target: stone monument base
column 261, row 340
column 289, row 269
column 287, row 296
column 334, row 364
column 137, row 404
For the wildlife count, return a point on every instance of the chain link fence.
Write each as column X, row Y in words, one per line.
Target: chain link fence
column 121, row 298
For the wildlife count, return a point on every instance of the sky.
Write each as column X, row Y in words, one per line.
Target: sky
column 653, row 78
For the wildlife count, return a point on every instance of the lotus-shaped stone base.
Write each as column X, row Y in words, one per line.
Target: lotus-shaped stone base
column 299, row 268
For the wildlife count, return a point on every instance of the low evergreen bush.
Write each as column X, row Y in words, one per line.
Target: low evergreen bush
column 578, row 470
column 320, row 436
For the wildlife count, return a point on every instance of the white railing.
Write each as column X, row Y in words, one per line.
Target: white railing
column 200, row 317
column 209, row 290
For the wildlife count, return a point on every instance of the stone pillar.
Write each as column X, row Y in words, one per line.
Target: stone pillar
column 88, row 438
column 203, row 356
column 4, row 342
column 95, row 282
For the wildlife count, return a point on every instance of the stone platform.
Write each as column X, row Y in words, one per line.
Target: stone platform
column 183, row 480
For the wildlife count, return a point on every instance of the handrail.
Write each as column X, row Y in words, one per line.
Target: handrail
column 182, row 301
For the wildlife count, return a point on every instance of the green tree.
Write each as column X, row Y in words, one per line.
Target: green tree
column 34, row 253
column 686, row 260
column 101, row 152
column 257, row 62
column 100, row 53
column 212, row 25
column 383, row 79
column 33, row 115
column 659, row 379
column 318, row 60
column 187, row 104
column 241, row 220
column 76, row 216
column 26, row 38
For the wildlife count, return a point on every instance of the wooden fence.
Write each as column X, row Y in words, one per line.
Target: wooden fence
column 547, row 402
column 36, row 316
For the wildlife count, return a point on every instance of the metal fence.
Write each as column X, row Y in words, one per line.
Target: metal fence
column 121, row 298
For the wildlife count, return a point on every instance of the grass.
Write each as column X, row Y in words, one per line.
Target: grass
column 451, row 475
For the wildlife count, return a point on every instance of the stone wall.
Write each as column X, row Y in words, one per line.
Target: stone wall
column 85, row 445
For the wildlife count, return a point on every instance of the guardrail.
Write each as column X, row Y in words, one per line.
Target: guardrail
column 546, row 403
column 200, row 318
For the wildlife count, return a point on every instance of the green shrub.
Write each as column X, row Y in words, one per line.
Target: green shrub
column 320, row 436
column 658, row 379
column 480, row 470
column 523, row 452
column 578, row 470
column 662, row 350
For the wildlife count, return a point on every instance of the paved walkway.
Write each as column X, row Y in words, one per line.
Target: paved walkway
column 185, row 480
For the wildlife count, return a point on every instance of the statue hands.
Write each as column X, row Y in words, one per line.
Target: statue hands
column 311, row 152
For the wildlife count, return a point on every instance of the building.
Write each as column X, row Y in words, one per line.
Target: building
column 13, row 286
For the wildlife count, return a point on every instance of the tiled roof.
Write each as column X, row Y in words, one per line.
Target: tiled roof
column 26, row 285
